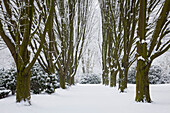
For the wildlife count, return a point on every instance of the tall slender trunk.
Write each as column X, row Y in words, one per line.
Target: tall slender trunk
column 72, row 80
column 103, row 78
column 126, row 76
column 121, row 81
column 113, row 78
column 62, row 81
column 106, row 78
column 83, row 65
column 69, row 79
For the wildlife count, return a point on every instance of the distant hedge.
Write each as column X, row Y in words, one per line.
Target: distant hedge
column 156, row 76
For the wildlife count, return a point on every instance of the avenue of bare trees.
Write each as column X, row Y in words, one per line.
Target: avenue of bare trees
column 55, row 34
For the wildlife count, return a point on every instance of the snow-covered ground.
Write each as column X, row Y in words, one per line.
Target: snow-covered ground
column 92, row 99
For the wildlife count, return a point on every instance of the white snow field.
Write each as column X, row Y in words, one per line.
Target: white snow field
column 92, row 99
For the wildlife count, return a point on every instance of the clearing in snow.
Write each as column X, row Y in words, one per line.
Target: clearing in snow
column 92, row 99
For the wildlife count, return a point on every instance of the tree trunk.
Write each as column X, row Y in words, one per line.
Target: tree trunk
column 126, row 76
column 121, row 81
column 23, row 87
column 69, row 80
column 106, row 78
column 72, row 80
column 83, row 65
column 142, row 82
column 113, row 78
column 103, row 78
column 62, row 81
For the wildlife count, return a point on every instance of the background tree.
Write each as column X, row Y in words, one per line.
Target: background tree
column 129, row 18
column 105, row 28
column 64, row 50
column 119, row 27
column 45, row 58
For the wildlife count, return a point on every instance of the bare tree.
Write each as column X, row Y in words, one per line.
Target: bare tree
column 17, row 31
column 147, row 51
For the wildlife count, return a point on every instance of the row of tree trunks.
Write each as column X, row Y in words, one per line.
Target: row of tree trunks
column 119, row 26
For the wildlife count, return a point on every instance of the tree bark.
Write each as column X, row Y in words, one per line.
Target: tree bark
column 72, row 80
column 142, row 81
column 23, row 87
column 126, row 76
column 121, row 81
column 113, row 78
column 62, row 81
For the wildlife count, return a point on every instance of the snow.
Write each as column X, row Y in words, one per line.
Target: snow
column 92, row 99
column 1, row 91
column 141, row 58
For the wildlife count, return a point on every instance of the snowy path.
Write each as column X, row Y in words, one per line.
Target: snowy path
column 91, row 99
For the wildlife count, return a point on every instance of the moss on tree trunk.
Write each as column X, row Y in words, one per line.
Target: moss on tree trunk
column 62, row 81
column 23, row 87
column 72, row 80
column 113, row 78
column 103, row 79
column 142, row 80
column 142, row 83
column 121, row 81
column 69, row 80
column 106, row 79
column 126, row 76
